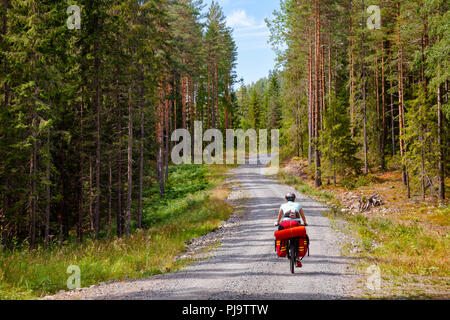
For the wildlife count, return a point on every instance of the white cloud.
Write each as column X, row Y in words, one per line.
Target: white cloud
column 239, row 18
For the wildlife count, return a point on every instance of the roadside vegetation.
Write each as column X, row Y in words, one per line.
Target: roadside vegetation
column 366, row 111
column 408, row 239
column 194, row 205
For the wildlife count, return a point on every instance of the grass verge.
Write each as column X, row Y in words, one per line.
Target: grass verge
column 409, row 242
column 304, row 188
column 195, row 205
column 413, row 259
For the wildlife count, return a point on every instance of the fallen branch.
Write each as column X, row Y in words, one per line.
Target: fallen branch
column 371, row 202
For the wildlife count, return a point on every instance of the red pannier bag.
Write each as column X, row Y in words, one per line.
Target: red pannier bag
column 303, row 247
column 281, row 248
column 288, row 224
column 281, row 245
column 296, row 232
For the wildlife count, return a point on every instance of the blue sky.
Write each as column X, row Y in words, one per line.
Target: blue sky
column 246, row 17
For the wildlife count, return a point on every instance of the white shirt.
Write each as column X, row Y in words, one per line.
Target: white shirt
column 290, row 206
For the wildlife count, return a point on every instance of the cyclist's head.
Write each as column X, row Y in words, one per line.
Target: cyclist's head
column 290, row 197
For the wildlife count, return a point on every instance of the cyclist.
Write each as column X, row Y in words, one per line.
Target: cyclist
column 291, row 210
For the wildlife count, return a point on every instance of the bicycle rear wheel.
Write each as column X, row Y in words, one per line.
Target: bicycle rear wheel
column 293, row 256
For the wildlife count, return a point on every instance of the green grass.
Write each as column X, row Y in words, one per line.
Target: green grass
column 304, row 188
column 441, row 216
column 184, row 182
column 409, row 244
column 194, row 206
column 401, row 248
column 398, row 247
column 351, row 183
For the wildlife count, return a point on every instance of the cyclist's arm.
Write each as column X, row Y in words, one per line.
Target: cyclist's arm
column 303, row 216
column 280, row 215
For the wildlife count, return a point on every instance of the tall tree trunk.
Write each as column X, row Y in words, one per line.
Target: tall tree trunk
column 352, row 70
column 4, row 65
column 318, row 174
column 216, row 104
column 196, row 111
column 33, row 191
column 5, row 4
column 141, row 153
column 3, row 221
column 208, row 113
column 130, row 162
column 91, row 212
column 441, row 161
column 81, row 157
column 159, row 130
column 183, row 102
column 110, row 180
column 98, row 137
column 47, row 195
column 422, row 127
column 297, row 129
column 422, row 161
column 33, row 160
column 166, row 136
column 191, row 105
column 441, row 148
column 141, row 170
column 377, row 90
column 329, row 73
column 175, row 91
column 363, row 75
column 310, row 102
column 119, row 215
column 322, row 87
column 225, row 106
column 230, row 117
column 401, row 109
column 188, row 104
column 383, row 99
column 62, row 205
column 392, row 114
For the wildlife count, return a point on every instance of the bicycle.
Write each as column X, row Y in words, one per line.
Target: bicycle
column 294, row 234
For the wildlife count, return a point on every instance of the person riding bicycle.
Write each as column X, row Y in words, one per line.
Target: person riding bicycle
column 291, row 209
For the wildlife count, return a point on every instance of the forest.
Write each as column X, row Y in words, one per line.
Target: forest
column 92, row 90
column 86, row 113
column 353, row 99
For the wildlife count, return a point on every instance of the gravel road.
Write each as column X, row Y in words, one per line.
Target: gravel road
column 245, row 265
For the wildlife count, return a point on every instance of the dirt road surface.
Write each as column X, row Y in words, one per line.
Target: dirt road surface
column 245, row 265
